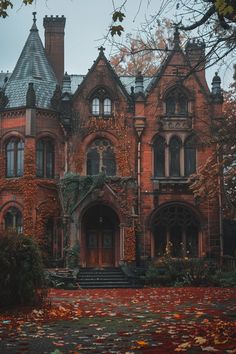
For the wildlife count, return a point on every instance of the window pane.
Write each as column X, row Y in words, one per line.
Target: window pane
column 49, row 159
column 160, row 240
column 39, row 158
column 175, row 157
column 13, row 220
column 10, row 160
column 20, row 158
column 183, row 104
column 159, row 157
column 95, row 106
column 192, row 241
column 170, row 105
column 107, row 106
column 109, row 162
column 93, row 158
column 189, row 157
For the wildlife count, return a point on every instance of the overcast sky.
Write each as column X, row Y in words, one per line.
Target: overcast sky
column 87, row 22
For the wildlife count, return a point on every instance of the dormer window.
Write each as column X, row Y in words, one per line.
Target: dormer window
column 176, row 103
column 101, row 104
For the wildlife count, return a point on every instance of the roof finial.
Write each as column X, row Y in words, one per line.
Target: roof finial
column 34, row 16
column 101, row 49
column 34, row 27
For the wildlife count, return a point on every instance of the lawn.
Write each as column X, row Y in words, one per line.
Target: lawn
column 149, row 320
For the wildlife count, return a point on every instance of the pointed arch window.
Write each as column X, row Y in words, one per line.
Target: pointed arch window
column 95, row 106
column 13, row 220
column 176, row 103
column 45, row 158
column 176, row 229
column 159, row 157
column 101, row 157
column 101, row 103
column 175, row 146
column 15, row 158
column 190, row 155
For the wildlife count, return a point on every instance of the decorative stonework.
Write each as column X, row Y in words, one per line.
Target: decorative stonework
column 175, row 123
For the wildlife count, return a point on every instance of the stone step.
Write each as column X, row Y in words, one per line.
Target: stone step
column 89, row 278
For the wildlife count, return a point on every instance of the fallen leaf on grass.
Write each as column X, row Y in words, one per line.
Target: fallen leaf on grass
column 183, row 347
column 142, row 343
column 200, row 340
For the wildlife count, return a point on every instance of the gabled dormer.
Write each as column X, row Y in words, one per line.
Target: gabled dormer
column 101, row 90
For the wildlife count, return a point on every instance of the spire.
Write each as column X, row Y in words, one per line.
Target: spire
column 31, row 67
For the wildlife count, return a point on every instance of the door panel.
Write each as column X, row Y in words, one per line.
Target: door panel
column 107, row 248
column 92, row 249
column 100, row 248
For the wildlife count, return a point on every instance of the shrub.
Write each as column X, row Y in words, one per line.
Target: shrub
column 180, row 271
column 22, row 279
column 224, row 279
column 157, row 275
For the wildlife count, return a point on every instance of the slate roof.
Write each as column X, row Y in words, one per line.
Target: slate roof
column 127, row 82
column 32, row 66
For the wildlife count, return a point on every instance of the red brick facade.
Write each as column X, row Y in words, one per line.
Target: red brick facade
column 132, row 214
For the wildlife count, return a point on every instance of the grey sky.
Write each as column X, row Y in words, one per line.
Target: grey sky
column 87, row 22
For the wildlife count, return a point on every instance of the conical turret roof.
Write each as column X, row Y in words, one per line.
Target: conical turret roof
column 31, row 67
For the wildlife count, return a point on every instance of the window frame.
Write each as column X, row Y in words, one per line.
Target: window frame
column 159, row 142
column 47, row 158
column 100, row 162
column 172, row 157
column 101, row 99
column 17, row 220
column 14, row 157
column 175, row 97
column 190, row 152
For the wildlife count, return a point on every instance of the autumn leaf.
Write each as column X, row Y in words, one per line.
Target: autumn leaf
column 200, row 340
column 118, row 16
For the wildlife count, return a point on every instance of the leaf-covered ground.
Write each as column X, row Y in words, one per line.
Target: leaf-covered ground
column 160, row 320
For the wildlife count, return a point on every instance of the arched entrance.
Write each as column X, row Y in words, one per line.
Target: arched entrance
column 176, row 231
column 101, row 236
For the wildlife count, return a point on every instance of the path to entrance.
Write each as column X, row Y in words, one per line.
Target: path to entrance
column 164, row 320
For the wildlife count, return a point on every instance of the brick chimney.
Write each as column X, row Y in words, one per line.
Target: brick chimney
column 54, row 43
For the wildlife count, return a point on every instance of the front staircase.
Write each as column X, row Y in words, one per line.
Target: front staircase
column 92, row 278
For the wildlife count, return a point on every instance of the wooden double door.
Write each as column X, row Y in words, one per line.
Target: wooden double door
column 100, row 248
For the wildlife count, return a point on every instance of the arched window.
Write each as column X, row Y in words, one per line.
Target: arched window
column 101, row 157
column 109, row 161
column 107, row 106
column 176, row 230
column 45, row 158
column 15, row 158
column 101, row 104
column 176, row 103
column 93, row 161
column 159, row 157
column 175, row 145
column 190, row 156
column 13, row 220
column 95, row 106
